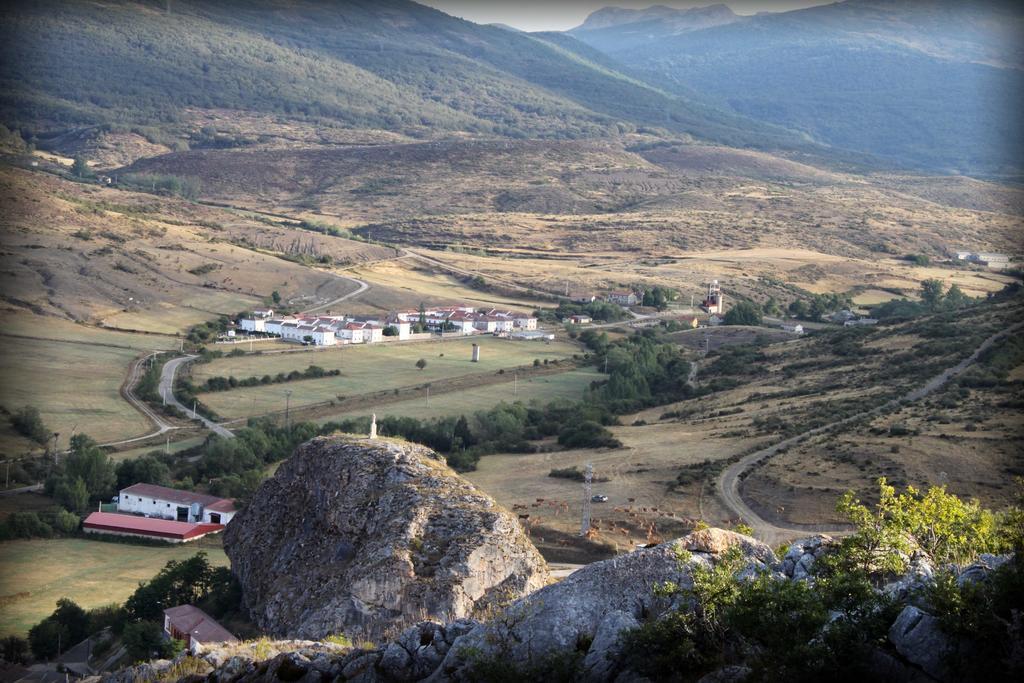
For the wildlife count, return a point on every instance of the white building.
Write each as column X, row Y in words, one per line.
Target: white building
column 857, row 322
column 794, row 328
column 162, row 502
column 253, row 324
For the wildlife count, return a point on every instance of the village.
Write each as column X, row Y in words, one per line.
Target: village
column 333, row 330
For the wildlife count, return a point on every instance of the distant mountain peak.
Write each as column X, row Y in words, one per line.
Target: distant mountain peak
column 680, row 20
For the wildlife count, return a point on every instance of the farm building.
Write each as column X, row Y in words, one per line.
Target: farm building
column 794, row 328
column 167, row 503
column 990, row 259
column 857, row 322
column 714, row 302
column 195, row 628
column 580, row 319
column 134, row 526
column 623, row 298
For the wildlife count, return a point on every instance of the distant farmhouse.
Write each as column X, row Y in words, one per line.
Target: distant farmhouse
column 623, row 298
column 162, row 513
column 714, row 302
column 332, row 330
column 989, row 259
column 195, row 628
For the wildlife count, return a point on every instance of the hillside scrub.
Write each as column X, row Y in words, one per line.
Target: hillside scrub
column 830, row 623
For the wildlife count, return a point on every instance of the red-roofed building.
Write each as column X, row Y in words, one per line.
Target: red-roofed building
column 151, row 500
column 195, row 627
column 117, row 524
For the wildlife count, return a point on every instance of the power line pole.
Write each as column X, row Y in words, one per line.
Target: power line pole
column 588, row 478
column 287, row 408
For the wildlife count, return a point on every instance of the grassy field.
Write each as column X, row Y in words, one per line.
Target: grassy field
column 73, row 377
column 365, row 369
column 175, row 447
column 35, row 574
column 544, row 388
column 405, row 283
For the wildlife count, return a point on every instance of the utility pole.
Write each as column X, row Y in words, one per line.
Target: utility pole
column 588, row 478
column 194, row 409
column 287, row 408
column 428, row 395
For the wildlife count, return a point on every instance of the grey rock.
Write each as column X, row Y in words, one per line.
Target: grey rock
column 369, row 537
column 917, row 637
column 980, row 570
column 600, row 661
column 395, row 662
column 802, row 553
column 360, row 666
column 556, row 619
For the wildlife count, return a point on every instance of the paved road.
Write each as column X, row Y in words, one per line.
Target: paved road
column 167, row 394
column 360, row 288
column 34, row 488
column 728, row 482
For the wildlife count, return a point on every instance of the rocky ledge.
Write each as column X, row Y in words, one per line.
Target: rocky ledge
column 368, row 537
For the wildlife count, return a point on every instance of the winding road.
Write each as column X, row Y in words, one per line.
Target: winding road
column 167, row 394
column 360, row 288
column 728, row 483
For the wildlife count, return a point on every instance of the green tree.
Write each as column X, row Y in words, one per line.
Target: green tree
column 47, row 639
column 178, row 583
column 88, row 462
column 275, row 296
column 72, row 494
column 145, row 640
column 421, row 363
column 14, row 649
column 423, row 316
column 144, row 470
column 80, row 169
column 931, row 293
column 66, row 522
column 28, row 422
column 743, row 313
column 72, row 617
column 955, row 298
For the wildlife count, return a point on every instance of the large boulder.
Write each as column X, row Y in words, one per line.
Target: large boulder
column 918, row 637
column 587, row 612
column 368, row 537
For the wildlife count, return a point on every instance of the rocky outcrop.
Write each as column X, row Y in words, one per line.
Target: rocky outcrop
column 803, row 553
column 588, row 611
column 368, row 537
column 918, row 637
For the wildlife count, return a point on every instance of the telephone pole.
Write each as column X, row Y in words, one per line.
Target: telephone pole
column 287, row 408
column 588, row 488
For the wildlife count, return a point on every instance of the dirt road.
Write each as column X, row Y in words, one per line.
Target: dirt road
column 728, row 483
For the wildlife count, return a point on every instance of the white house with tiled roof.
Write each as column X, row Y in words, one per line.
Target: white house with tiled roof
column 162, row 502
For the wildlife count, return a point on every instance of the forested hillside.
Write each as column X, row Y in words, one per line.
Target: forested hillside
column 930, row 83
column 391, row 65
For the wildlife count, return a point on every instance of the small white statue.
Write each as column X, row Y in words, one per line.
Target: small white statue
column 373, row 426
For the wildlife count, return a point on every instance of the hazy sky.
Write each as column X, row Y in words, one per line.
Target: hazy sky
column 559, row 15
